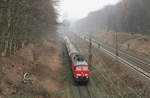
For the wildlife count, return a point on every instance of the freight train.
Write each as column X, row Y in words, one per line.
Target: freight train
column 80, row 68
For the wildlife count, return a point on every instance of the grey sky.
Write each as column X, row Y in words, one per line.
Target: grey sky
column 76, row 9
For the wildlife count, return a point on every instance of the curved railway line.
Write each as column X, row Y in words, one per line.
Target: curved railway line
column 140, row 65
column 80, row 91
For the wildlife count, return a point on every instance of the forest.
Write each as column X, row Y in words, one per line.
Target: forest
column 131, row 16
column 23, row 22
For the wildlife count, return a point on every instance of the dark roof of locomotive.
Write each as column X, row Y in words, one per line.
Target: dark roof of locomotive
column 78, row 60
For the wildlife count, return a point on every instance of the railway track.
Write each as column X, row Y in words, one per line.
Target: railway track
column 129, row 57
column 84, row 92
column 79, row 91
column 137, row 64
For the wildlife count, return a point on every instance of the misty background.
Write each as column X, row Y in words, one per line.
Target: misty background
column 131, row 16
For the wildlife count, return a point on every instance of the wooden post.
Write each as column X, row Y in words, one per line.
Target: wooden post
column 90, row 50
column 116, row 44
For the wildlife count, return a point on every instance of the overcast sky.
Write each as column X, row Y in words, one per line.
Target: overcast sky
column 76, row 9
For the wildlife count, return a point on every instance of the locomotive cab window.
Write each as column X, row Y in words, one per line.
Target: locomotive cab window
column 85, row 68
column 78, row 68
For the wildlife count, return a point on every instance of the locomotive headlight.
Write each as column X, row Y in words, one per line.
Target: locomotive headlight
column 78, row 74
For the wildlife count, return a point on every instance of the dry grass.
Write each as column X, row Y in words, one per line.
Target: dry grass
column 43, row 60
column 137, row 43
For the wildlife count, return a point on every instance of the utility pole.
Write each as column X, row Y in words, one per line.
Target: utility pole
column 116, row 36
column 90, row 50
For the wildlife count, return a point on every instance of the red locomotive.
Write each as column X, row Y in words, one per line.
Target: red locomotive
column 80, row 67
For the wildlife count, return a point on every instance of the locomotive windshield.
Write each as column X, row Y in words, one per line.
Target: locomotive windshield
column 78, row 68
column 85, row 68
